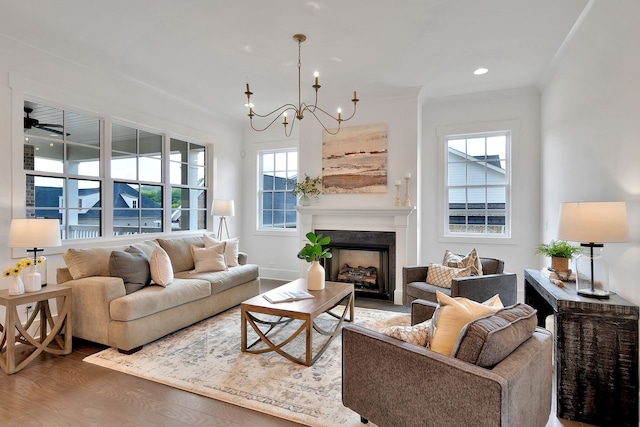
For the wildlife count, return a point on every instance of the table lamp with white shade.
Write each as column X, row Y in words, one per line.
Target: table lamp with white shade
column 35, row 234
column 593, row 224
column 223, row 209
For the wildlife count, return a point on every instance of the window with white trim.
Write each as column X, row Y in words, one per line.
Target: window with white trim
column 477, row 184
column 62, row 169
column 278, row 172
column 136, row 169
column 65, row 179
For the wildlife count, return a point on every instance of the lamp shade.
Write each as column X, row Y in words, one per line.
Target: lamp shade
column 34, row 233
column 223, row 208
column 593, row 222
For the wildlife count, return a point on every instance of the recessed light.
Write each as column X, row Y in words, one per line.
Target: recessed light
column 480, row 71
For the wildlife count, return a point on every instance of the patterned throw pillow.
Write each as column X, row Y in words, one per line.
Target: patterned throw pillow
column 470, row 260
column 417, row 334
column 439, row 275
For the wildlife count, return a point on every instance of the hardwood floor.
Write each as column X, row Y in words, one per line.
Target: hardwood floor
column 64, row 391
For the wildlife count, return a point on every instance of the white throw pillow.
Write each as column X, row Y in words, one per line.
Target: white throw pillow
column 230, row 251
column 209, row 259
column 161, row 269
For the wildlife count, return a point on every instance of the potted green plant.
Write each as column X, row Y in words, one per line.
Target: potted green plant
column 308, row 187
column 560, row 253
column 312, row 252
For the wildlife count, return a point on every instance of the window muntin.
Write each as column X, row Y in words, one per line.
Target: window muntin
column 278, row 170
column 61, row 156
column 477, row 185
column 64, row 177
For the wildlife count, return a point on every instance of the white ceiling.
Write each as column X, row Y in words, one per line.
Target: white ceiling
column 204, row 51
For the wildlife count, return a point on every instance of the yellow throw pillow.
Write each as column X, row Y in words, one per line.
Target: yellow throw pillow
column 451, row 316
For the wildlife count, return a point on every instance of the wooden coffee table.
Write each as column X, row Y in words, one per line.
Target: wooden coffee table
column 306, row 310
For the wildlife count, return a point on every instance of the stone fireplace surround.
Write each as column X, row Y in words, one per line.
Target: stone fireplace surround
column 393, row 219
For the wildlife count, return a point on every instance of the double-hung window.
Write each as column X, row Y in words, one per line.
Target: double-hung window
column 278, row 171
column 136, row 169
column 477, row 189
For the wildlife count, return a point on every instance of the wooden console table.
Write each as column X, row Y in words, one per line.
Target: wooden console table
column 596, row 352
column 55, row 335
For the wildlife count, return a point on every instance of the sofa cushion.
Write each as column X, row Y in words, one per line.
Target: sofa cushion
column 153, row 299
column 441, row 276
column 179, row 251
column 160, row 266
column 89, row 262
column 489, row 339
column 223, row 280
column 470, row 260
column 451, row 316
column 231, row 249
column 132, row 266
column 417, row 334
column 209, row 258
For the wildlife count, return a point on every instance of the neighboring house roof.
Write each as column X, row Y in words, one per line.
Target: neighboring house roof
column 49, row 197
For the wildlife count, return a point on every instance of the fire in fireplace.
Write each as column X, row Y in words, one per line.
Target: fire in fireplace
column 364, row 258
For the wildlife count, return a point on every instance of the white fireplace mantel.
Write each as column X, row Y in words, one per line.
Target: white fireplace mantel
column 393, row 219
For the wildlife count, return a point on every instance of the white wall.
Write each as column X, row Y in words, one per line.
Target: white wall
column 521, row 106
column 591, row 129
column 276, row 252
column 28, row 72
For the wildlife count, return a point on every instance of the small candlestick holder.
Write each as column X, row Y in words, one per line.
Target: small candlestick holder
column 398, row 194
column 407, row 200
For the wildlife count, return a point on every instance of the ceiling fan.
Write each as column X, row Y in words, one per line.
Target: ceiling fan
column 35, row 123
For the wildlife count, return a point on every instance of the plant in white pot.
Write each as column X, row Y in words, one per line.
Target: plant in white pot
column 560, row 253
column 313, row 252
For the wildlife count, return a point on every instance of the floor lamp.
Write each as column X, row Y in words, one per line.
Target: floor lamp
column 223, row 209
column 593, row 224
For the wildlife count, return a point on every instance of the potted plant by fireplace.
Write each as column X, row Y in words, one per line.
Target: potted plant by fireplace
column 560, row 253
column 313, row 252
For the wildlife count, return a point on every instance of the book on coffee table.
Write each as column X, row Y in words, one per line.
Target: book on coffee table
column 286, row 296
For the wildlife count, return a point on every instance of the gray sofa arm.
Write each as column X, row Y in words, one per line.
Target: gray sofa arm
column 481, row 288
column 394, row 383
column 416, row 273
column 422, row 310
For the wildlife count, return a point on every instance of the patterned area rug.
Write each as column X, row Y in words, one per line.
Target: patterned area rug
column 206, row 359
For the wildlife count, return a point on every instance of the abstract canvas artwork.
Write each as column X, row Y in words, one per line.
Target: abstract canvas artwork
column 355, row 160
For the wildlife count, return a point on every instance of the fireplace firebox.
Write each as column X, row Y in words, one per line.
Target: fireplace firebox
column 365, row 258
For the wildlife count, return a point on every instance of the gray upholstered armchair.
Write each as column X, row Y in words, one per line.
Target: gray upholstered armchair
column 395, row 383
column 478, row 288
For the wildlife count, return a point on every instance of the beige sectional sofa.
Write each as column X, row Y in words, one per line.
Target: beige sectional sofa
column 108, row 312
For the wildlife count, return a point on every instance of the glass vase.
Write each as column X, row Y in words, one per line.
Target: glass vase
column 304, row 200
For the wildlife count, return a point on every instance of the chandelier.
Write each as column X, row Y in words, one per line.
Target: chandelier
column 301, row 108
